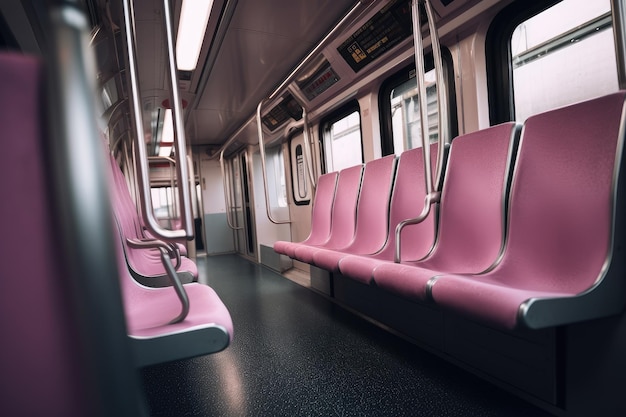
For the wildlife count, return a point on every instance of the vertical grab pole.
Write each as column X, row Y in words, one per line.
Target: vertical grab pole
column 618, row 10
column 179, row 138
column 227, row 193
column 184, row 193
column 259, row 125
column 442, row 98
column 421, row 89
column 432, row 192
column 307, row 147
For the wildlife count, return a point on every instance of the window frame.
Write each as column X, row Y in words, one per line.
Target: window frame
column 403, row 75
column 325, row 123
column 498, row 56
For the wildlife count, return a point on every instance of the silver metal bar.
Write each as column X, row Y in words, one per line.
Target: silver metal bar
column 184, row 193
column 618, row 10
column 227, row 194
column 307, row 148
column 82, row 203
column 259, row 125
column 179, row 137
column 170, row 247
column 430, row 199
column 178, row 287
column 421, row 88
column 442, row 97
column 432, row 192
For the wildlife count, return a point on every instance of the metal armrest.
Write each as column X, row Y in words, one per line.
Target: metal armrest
column 178, row 286
column 430, row 199
column 170, row 247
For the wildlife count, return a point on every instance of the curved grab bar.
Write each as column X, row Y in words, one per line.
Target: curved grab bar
column 430, row 199
column 226, row 186
column 178, row 287
column 179, row 134
column 259, row 124
column 171, row 248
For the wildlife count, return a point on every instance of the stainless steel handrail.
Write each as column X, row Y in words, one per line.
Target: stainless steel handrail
column 421, row 88
column 432, row 191
column 227, row 194
column 82, row 203
column 618, row 11
column 259, row 125
column 442, row 97
column 179, row 134
column 307, row 148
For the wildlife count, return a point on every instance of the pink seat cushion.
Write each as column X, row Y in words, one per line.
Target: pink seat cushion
column 370, row 232
column 560, row 215
column 343, row 215
column 321, row 216
column 145, row 262
column 407, row 201
column 471, row 214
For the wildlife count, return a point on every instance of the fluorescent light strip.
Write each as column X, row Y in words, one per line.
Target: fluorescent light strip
column 194, row 17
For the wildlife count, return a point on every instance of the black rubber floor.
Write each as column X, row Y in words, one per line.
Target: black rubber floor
column 295, row 353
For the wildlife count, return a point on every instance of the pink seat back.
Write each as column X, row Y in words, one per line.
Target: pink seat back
column 372, row 219
column 34, row 313
column 562, row 196
column 472, row 208
column 344, row 207
column 321, row 216
column 407, row 202
column 50, row 357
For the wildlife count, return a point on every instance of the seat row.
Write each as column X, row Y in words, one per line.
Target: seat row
column 522, row 234
column 169, row 315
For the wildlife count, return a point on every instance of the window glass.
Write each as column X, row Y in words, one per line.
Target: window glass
column 563, row 55
column 342, row 142
column 405, row 113
column 276, row 177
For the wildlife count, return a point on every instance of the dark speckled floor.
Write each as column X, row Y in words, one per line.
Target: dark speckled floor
column 297, row 354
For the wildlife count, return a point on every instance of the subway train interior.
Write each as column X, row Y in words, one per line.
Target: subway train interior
column 229, row 208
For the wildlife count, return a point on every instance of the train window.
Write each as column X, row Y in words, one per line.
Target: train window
column 341, row 135
column 276, row 177
column 399, row 105
column 561, row 55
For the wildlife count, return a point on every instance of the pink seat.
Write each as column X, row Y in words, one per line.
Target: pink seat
column 145, row 264
column 207, row 328
column 407, row 201
column 471, row 213
column 62, row 346
column 557, row 266
column 343, row 215
column 372, row 218
column 320, row 216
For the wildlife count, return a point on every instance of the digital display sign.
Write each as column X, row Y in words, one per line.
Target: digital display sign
column 390, row 26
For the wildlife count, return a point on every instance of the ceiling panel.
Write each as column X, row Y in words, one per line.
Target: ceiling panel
column 265, row 41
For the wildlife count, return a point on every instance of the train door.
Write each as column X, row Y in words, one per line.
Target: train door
column 245, row 239
column 301, row 193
